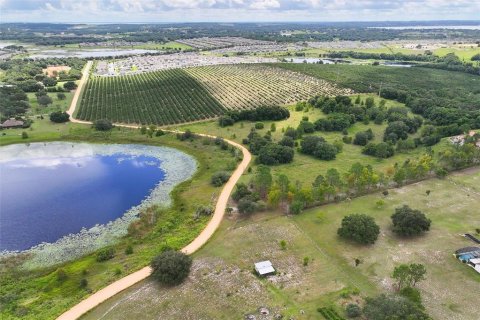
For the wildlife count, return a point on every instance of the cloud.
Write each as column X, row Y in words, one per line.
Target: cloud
column 235, row 10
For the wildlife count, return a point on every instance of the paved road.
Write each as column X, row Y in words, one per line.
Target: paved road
column 122, row 284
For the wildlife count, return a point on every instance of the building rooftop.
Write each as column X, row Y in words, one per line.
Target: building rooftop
column 12, row 123
column 264, row 267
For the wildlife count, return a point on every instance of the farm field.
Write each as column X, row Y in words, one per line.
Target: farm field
column 249, row 86
column 162, row 97
column 185, row 95
column 222, row 285
column 363, row 78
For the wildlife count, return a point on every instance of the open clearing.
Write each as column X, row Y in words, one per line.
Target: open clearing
column 222, row 286
column 249, row 86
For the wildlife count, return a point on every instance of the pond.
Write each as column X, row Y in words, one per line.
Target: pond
column 55, row 192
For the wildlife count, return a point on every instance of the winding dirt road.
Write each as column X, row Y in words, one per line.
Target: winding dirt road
column 125, row 282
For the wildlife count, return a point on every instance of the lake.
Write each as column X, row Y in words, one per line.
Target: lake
column 53, row 192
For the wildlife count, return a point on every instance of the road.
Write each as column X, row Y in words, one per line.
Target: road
column 102, row 295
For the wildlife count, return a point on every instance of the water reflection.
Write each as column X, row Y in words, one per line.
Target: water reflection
column 51, row 190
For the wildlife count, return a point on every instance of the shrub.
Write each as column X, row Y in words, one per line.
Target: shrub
column 409, row 222
column 61, row 96
column 283, row 244
column 171, row 267
column 386, row 307
column 353, row 310
column 102, row 125
column 241, row 191
column 69, row 85
column 105, row 254
column 24, row 135
column 306, row 260
column 259, row 125
column 83, row 283
column 287, row 142
column 219, row 178
column 61, row 275
column 359, row 228
column 246, row 205
column 225, row 121
column 129, row 249
column 59, row 117
column 347, row 139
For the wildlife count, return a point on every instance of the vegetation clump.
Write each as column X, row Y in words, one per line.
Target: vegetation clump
column 171, row 267
column 59, row 117
column 409, row 222
column 102, row 125
column 359, row 228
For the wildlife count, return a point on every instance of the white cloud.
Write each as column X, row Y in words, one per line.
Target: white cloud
column 235, row 10
column 264, row 4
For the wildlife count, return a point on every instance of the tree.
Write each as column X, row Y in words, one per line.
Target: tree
column 409, row 222
column 59, row 117
column 390, row 307
column 102, row 125
column 105, row 254
column 219, row 178
column 262, row 181
column 359, row 228
column 171, row 267
column 70, row 85
column 309, row 144
column 325, row 151
column 61, row 96
column 353, row 310
column 408, row 275
column 44, row 100
column 272, row 154
column 361, row 138
column 241, row 191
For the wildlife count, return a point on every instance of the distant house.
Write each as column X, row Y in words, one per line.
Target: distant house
column 12, row 123
column 469, row 256
column 264, row 268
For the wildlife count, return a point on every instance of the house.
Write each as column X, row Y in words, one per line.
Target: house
column 264, row 268
column 469, row 256
column 12, row 123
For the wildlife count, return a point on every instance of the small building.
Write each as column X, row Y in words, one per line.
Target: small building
column 264, row 268
column 469, row 256
column 12, row 123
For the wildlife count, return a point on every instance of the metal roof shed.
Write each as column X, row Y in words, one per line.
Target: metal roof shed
column 264, row 268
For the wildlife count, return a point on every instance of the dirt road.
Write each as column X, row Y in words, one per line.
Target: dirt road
column 122, row 284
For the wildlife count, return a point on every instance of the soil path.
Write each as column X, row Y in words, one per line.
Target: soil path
column 109, row 291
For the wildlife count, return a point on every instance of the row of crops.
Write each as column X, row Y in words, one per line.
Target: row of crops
column 184, row 95
column 162, row 98
column 330, row 314
column 248, row 86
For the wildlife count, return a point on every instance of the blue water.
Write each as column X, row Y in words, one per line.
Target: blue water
column 43, row 199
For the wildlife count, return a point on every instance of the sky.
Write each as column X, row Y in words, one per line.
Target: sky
column 136, row 11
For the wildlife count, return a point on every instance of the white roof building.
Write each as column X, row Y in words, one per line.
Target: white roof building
column 264, row 268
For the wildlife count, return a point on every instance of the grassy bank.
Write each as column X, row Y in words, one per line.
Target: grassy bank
column 44, row 294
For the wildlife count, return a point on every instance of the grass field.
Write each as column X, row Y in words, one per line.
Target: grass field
column 57, row 105
column 465, row 54
column 222, row 286
column 249, row 86
column 37, row 294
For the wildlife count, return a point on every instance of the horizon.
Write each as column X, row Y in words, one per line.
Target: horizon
column 234, row 11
